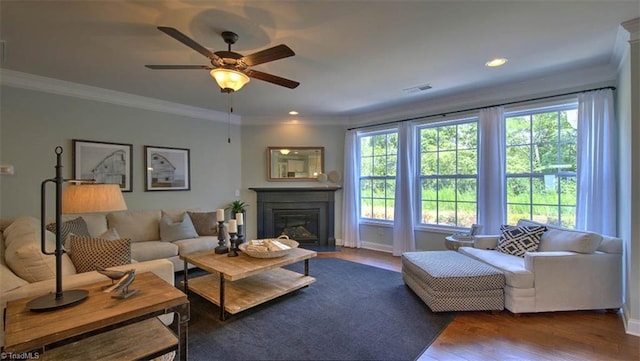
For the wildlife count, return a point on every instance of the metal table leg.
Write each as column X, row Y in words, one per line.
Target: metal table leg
column 222, row 285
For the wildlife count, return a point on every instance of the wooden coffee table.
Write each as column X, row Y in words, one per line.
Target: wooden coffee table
column 239, row 283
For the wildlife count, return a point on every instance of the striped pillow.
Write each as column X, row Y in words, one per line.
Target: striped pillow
column 90, row 253
column 76, row 226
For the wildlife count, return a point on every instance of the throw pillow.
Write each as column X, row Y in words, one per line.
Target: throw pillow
column 171, row 230
column 110, row 234
column 90, row 253
column 76, row 226
column 206, row 223
column 518, row 240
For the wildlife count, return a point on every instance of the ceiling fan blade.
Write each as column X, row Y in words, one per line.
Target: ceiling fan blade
column 176, row 34
column 177, row 67
column 271, row 54
column 272, row 79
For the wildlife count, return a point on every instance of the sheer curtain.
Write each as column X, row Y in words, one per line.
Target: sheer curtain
column 351, row 192
column 492, row 210
column 596, row 203
column 403, row 214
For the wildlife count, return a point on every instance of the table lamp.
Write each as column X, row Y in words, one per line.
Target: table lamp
column 82, row 197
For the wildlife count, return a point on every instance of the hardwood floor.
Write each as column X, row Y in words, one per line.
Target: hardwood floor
column 576, row 335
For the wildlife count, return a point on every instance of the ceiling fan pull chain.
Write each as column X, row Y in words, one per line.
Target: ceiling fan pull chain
column 229, row 102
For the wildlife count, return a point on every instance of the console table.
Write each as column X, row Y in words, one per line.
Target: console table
column 102, row 326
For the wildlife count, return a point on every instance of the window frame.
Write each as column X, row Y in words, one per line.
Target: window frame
column 566, row 105
column 366, row 220
column 420, row 177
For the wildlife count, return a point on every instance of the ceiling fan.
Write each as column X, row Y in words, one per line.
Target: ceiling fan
column 230, row 69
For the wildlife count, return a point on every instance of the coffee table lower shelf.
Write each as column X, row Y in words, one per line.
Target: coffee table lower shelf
column 251, row 291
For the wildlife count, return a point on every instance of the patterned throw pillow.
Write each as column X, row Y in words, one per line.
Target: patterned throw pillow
column 517, row 241
column 76, row 226
column 90, row 253
column 205, row 222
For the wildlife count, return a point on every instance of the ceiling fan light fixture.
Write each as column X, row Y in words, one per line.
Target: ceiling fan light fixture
column 229, row 79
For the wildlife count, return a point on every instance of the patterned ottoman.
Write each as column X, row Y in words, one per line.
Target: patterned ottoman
column 450, row 281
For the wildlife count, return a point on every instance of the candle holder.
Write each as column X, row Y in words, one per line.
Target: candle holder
column 240, row 236
column 221, row 239
column 233, row 249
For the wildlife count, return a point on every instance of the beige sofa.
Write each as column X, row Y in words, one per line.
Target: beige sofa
column 39, row 269
column 572, row 270
column 144, row 230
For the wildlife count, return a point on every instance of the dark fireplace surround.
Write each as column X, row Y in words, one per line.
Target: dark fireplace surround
column 306, row 215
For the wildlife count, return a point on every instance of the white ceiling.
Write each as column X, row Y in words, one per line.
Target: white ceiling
column 352, row 57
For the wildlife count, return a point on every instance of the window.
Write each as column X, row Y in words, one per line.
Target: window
column 541, row 165
column 378, row 154
column 448, row 173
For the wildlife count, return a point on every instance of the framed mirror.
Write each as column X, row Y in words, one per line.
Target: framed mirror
column 287, row 164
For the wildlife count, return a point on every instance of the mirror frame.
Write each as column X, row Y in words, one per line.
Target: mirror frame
column 275, row 159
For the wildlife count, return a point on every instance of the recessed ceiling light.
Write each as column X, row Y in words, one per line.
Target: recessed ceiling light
column 293, row 112
column 496, row 62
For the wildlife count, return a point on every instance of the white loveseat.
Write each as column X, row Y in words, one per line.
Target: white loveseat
column 572, row 270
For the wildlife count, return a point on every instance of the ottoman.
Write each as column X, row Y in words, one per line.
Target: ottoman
column 450, row 281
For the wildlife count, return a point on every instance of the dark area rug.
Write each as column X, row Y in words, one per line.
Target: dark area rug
column 351, row 312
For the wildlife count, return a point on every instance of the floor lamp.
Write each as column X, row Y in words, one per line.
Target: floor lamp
column 82, row 197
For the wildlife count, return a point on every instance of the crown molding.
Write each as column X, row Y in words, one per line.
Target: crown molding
column 28, row 81
column 295, row 120
column 633, row 27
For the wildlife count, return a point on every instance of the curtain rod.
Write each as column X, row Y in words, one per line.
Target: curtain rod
column 483, row 107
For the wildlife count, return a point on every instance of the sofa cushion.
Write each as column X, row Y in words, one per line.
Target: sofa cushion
column 513, row 267
column 150, row 250
column 198, row 244
column 139, row 226
column 8, row 280
column 205, row 222
column 518, row 240
column 89, row 253
column 565, row 239
column 23, row 254
column 77, row 226
column 172, row 229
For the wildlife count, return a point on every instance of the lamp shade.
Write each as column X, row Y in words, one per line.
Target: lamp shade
column 92, row 198
column 229, row 79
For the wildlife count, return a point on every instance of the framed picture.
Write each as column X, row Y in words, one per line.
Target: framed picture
column 167, row 169
column 103, row 162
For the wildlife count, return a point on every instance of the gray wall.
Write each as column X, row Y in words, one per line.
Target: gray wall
column 256, row 139
column 34, row 123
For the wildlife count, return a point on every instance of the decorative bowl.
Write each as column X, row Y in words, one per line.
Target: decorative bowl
column 270, row 254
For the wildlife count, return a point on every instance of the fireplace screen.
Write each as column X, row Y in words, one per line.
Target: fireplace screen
column 300, row 225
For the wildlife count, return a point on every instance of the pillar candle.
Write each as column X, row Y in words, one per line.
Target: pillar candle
column 220, row 215
column 239, row 219
column 233, row 228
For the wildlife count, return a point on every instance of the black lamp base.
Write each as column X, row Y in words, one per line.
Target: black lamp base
column 50, row 303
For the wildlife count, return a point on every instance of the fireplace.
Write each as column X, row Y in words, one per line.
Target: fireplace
column 303, row 214
column 301, row 224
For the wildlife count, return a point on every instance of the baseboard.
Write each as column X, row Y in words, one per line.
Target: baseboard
column 631, row 325
column 377, row 247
